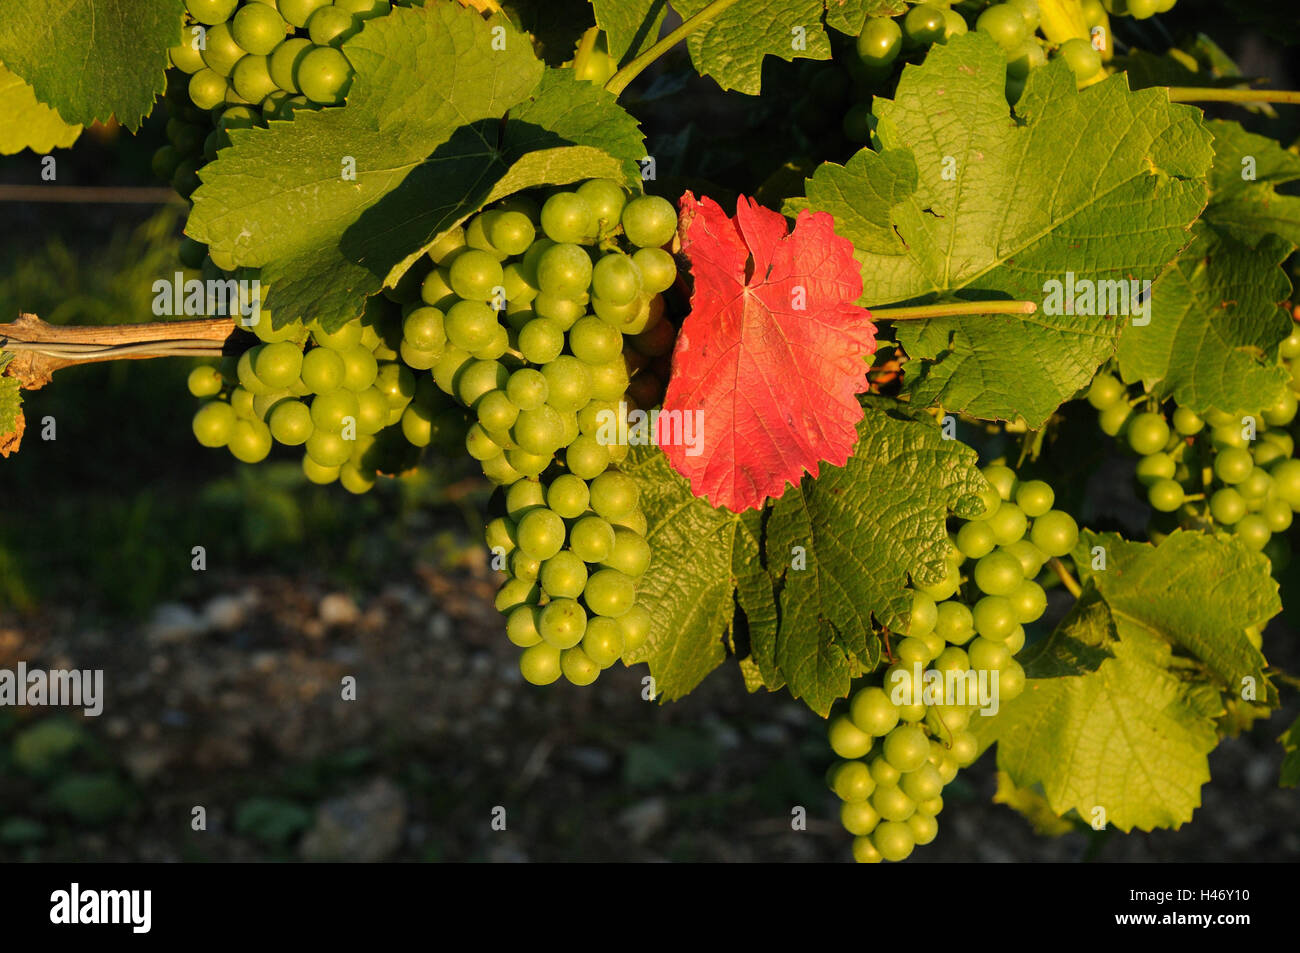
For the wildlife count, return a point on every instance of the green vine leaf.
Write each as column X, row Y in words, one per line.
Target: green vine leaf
column 841, row 548
column 731, row 48
column 428, row 154
column 690, row 584
column 92, row 59
column 1247, row 171
column 1131, row 733
column 26, row 123
column 631, row 26
column 972, row 213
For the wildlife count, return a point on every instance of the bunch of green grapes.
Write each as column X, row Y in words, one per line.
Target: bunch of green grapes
column 345, row 397
column 899, row 750
column 1216, row 469
column 530, row 317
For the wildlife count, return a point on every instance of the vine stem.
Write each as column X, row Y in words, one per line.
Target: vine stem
column 1066, row 577
column 922, row 311
column 40, row 349
column 1193, row 94
column 620, row 80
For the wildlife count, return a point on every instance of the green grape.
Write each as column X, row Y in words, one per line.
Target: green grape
column 1034, row 497
column 1029, row 10
column 348, row 335
column 884, row 773
column 924, row 24
column 528, row 464
column 245, row 371
column 893, row 840
column 564, row 270
column 540, row 664
column 478, row 378
column 910, row 651
column 1187, row 422
column 538, row 431
column 355, row 479
column 425, row 328
column 1008, row 524
column 214, row 424
column 330, row 409
column 207, row 88
column 593, row 539
column 473, row 276
column 278, row 365
column 1257, row 486
column 511, row 232
column 1011, row 680
column 394, row 381
column 568, row 383
column 541, row 534
column 566, row 217
column 649, row 221
column 568, row 496
column 952, row 659
column 994, row 617
column 890, row 802
column 521, row 626
column 603, row 641
column 615, row 279
column 605, row 198
column 1027, row 56
column 657, row 268
column 1083, row 60
column 541, row 341
column 1017, row 640
column 205, row 381
column 258, row 28
column 1229, row 436
column 879, row 42
column 211, row 12
column 364, row 9
column 1055, row 533
column 1283, row 412
column 562, row 622
column 873, row 712
column 579, row 668
column 221, row 53
column 298, row 12
column 1155, row 467
column 331, row 26
column 1105, row 391
column 587, row 457
column 1028, row 601
column 324, row 73
column 1277, row 514
column 924, row 615
column 923, row 783
column 846, row 739
column 284, row 61
column 988, row 654
column 185, row 57
column 1140, row 9
column 975, row 539
column 1004, row 23
column 924, row 828
column 906, row 748
column 1233, row 465
column 290, row 423
column 250, row 441
column 318, row 474
column 630, row 554
column 1148, row 433
column 1031, row 558
column 495, row 412
column 613, row 495
column 594, row 342
column 1227, row 506
column 851, row 781
column 609, row 381
column 499, row 471
column 263, row 403
column 1289, row 348
column 945, row 587
column 1003, row 479
column 564, row 575
column 1165, row 495
column 1113, row 418
column 372, row 411
column 527, row 389
column 479, row 443
column 859, row 817
column 998, row 573
column 470, row 325
column 609, row 592
column 954, row 24
column 964, row 748
column 1253, row 530
column 241, row 401
column 1286, row 482
column 1281, row 439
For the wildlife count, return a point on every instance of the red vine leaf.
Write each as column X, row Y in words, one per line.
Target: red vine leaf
column 769, row 360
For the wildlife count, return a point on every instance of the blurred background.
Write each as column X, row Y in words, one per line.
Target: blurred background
column 223, row 686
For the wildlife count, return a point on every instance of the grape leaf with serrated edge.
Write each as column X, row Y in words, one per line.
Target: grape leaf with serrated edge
column 92, row 59
column 1120, row 208
column 26, row 123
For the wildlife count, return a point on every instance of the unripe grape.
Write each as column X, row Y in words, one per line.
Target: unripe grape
column 851, row 781
column 214, row 424
column 873, row 712
column 894, row 840
column 906, row 748
column 859, row 817
column 578, row 666
column 603, row 641
column 1055, row 533
column 891, row 803
column 846, row 739
column 635, row 624
column 540, row 664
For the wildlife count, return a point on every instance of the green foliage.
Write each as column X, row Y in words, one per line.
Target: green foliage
column 27, row 123
column 93, row 59
column 994, row 224
column 863, row 529
column 279, row 199
column 1156, row 646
